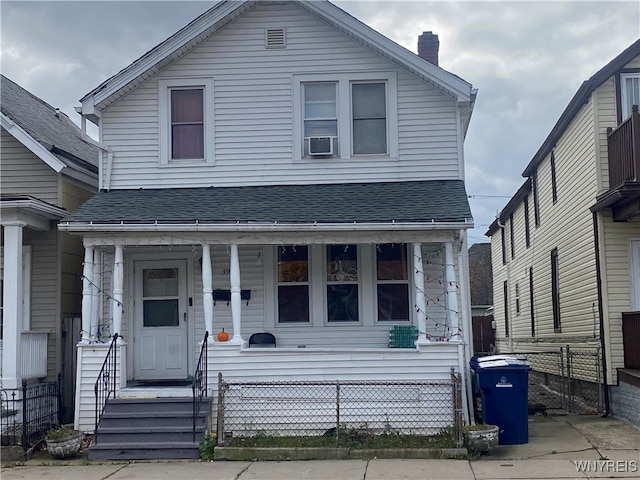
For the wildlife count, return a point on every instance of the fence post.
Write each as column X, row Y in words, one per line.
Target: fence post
column 25, row 419
column 569, row 375
column 220, row 417
column 337, row 413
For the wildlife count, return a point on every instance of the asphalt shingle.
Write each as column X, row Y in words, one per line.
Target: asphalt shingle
column 414, row 201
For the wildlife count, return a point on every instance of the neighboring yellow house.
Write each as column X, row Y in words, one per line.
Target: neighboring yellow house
column 48, row 168
column 566, row 247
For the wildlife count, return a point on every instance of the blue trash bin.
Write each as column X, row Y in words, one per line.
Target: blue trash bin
column 503, row 384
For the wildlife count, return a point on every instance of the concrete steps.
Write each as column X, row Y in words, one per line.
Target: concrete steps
column 149, row 428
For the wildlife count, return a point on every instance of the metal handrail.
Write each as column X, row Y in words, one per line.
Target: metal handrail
column 105, row 383
column 199, row 385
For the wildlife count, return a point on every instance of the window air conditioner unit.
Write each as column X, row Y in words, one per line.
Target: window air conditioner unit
column 321, row 145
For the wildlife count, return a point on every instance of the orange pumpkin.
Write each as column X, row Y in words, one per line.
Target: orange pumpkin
column 223, row 336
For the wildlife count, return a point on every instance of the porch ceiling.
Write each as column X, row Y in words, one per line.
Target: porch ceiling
column 413, row 202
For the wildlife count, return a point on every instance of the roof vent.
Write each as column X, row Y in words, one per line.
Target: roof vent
column 275, row 38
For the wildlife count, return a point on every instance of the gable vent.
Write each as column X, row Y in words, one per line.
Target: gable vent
column 275, row 38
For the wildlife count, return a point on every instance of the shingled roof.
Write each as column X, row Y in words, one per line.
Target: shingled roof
column 48, row 126
column 414, row 201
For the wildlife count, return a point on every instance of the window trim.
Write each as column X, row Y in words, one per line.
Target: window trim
column 554, row 185
column 623, row 92
column 343, row 99
column 164, row 119
column 555, row 290
column 527, row 228
column 505, row 292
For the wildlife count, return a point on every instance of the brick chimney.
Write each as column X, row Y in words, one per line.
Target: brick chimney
column 428, row 46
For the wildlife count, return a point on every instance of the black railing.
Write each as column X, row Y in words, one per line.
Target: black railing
column 623, row 145
column 105, row 385
column 199, row 385
column 26, row 417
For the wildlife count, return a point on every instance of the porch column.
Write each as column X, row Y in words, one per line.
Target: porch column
column 207, row 289
column 421, row 303
column 451, row 290
column 95, row 302
column 118, row 280
column 12, row 310
column 236, row 303
column 87, row 298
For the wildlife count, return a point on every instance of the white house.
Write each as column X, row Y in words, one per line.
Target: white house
column 276, row 167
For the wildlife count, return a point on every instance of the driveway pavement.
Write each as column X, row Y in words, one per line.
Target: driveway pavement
column 565, row 447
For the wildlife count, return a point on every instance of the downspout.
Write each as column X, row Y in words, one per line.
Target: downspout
column 596, row 241
column 104, row 173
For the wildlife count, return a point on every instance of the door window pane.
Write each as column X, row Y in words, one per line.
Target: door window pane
column 630, row 86
column 161, row 313
column 160, row 282
column 369, row 110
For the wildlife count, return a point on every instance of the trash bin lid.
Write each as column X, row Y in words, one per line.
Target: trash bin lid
column 501, row 361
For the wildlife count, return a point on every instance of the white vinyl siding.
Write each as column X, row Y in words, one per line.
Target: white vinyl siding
column 253, row 109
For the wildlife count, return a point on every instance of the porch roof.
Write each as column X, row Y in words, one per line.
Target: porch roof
column 435, row 201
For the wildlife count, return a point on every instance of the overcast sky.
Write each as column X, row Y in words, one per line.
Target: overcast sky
column 527, row 59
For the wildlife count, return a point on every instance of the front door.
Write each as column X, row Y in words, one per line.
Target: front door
column 160, row 337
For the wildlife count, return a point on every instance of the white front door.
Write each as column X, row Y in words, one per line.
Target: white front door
column 160, row 337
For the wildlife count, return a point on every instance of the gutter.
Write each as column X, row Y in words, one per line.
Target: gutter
column 596, row 241
column 258, row 227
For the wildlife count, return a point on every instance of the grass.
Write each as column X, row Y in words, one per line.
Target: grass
column 354, row 438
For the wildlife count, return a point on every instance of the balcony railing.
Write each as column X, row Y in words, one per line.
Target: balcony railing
column 34, row 355
column 623, row 145
column 631, row 339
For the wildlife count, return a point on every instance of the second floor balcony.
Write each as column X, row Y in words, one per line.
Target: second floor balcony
column 623, row 147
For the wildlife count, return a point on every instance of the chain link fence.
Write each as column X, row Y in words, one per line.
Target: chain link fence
column 565, row 379
column 327, row 408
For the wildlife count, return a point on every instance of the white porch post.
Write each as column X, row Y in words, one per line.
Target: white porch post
column 87, row 298
column 12, row 311
column 452, row 291
column 421, row 303
column 95, row 302
column 118, row 280
column 207, row 288
column 236, row 303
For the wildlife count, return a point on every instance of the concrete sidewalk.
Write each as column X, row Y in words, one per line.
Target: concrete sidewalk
column 605, row 448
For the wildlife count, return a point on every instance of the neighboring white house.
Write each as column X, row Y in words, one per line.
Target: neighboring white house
column 48, row 169
column 565, row 249
column 277, row 167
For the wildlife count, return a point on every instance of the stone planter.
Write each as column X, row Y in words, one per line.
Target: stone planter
column 65, row 447
column 479, row 439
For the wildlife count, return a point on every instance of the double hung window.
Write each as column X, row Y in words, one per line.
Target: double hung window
column 392, row 282
column 629, row 92
column 186, row 120
column 293, row 284
column 342, row 283
column 345, row 115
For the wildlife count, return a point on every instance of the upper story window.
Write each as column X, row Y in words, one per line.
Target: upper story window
column 554, row 184
column 320, row 119
column 527, row 228
column 186, row 120
column 369, row 111
column 629, row 92
column 345, row 115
